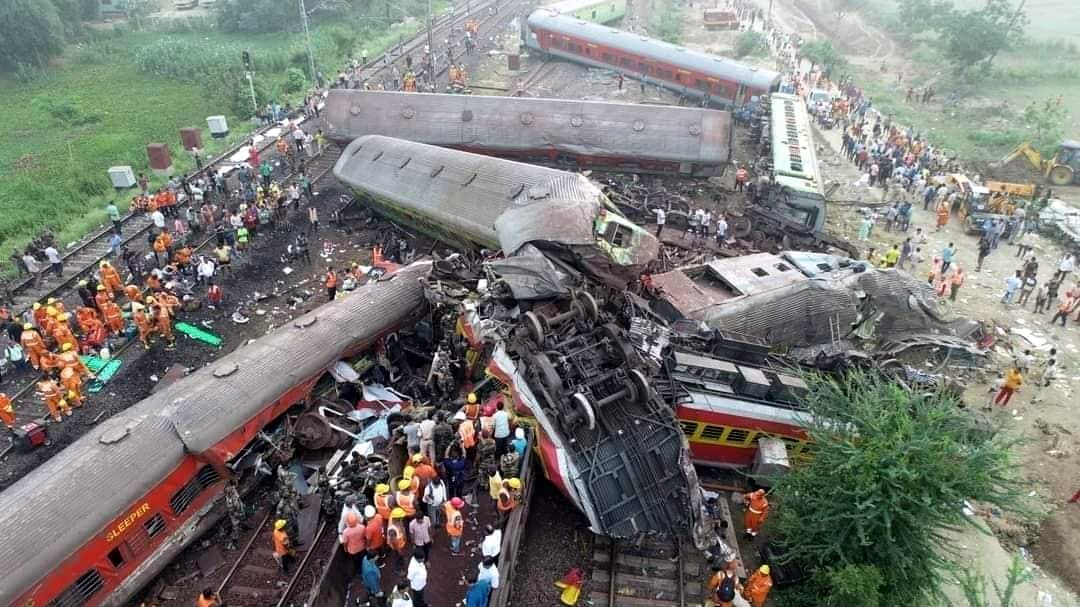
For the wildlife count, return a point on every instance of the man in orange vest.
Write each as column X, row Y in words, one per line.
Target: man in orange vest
column 331, row 284
column 472, row 407
column 406, row 501
column 383, row 500
column 54, row 400
column 7, row 412
column 83, row 315
column 283, row 550
column 373, row 530
column 395, row 536
column 62, row 332
column 757, row 509
column 758, row 586
column 509, row 495
column 32, row 344
column 207, row 598
column 72, row 382
column 114, row 317
column 455, row 523
column 102, row 296
column 164, row 324
column 110, row 278
column 145, row 325
column 69, row 359
column 39, row 313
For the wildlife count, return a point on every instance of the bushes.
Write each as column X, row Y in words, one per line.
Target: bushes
column 750, row 43
column 294, row 80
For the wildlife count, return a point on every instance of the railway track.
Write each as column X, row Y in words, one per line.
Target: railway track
column 652, row 573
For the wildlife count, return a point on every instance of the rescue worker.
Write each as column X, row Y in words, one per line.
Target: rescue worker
column 38, row 312
column 7, row 412
column 405, row 499
column 83, row 315
column 85, row 294
column 331, row 284
column 114, row 317
column 283, row 550
column 472, row 407
column 234, row 505
column 383, row 500
column 757, row 510
column 133, row 293
column 207, row 598
column 49, row 323
column 758, row 586
column 455, row 523
column 144, row 324
column 102, row 296
column 53, row 398
column 49, row 362
column 32, row 344
column 163, row 322
column 373, row 530
column 395, row 535
column 72, row 383
column 509, row 495
column 62, row 333
column 94, row 336
column 110, row 278
column 69, row 359
column 726, row 587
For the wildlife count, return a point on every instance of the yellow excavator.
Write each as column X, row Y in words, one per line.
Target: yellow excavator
column 1062, row 169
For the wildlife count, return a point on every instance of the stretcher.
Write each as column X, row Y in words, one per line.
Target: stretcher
column 198, row 334
column 103, row 369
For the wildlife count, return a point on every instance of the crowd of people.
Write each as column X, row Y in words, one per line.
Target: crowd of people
column 454, row 462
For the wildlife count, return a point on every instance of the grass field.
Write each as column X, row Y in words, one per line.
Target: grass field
column 53, row 162
column 1049, row 19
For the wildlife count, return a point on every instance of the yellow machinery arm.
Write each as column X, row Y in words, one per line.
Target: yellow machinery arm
column 1031, row 154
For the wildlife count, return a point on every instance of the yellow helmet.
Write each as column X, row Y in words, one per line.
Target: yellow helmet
column 764, row 569
column 36, row 306
column 83, row 283
column 149, row 300
column 404, row 485
column 515, row 483
column 280, row 524
column 382, row 488
column 408, row 473
column 397, row 513
column 471, row 398
column 66, row 346
column 71, row 394
column 63, row 402
column 51, row 311
column 27, row 327
column 50, row 301
column 65, row 316
column 417, row 458
column 101, row 287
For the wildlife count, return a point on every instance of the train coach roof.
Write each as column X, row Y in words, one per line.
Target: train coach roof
column 592, row 128
column 606, row 36
column 448, row 185
column 65, row 502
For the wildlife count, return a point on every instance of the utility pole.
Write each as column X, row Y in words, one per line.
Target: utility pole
column 307, row 34
column 246, row 58
column 431, row 47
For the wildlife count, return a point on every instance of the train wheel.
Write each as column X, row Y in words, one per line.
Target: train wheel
column 620, row 346
column 587, row 306
column 739, row 227
column 584, row 407
column 548, row 375
column 641, row 385
column 535, row 326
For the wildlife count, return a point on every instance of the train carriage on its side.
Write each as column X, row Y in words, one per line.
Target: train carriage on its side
column 584, row 134
column 97, row 521
column 711, row 79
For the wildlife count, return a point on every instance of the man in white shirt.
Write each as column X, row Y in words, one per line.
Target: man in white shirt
column 159, row 220
column 661, row 218
column 489, row 571
column 492, row 544
column 427, row 440
column 1065, row 267
column 501, row 430
column 350, row 506
column 55, row 263
column 417, row 575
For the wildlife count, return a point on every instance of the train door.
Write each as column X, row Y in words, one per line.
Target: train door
column 592, row 51
column 740, row 94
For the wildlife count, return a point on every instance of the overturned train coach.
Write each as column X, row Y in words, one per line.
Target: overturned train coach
column 693, row 74
column 582, row 134
column 471, row 201
column 98, row 521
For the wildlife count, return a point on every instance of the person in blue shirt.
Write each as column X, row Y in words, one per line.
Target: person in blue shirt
column 369, row 572
column 478, row 593
column 947, row 255
column 519, row 443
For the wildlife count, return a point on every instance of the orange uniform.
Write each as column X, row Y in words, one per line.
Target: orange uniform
column 39, row 314
column 373, row 532
column 506, row 501
column 757, row 510
column 102, row 298
column 201, row 601
column 133, row 293
column 110, row 278
column 282, row 545
column 83, row 316
column 331, row 279
column 395, row 536
column 50, row 393
column 145, row 325
column 48, row 362
column 407, row 502
column 114, row 317
column 33, row 345
column 164, row 323
column 63, row 335
column 71, row 360
column 382, row 505
column 757, row 588
column 169, row 301
column 455, row 523
column 72, row 382
column 7, row 412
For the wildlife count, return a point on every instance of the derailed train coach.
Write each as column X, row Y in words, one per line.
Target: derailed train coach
column 100, row 519
column 638, row 138
column 474, row 202
column 711, row 79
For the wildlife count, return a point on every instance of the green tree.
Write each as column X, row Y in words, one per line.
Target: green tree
column 91, row 9
column 1046, row 123
column 890, row 471
column 923, row 15
column 750, row 43
column 974, row 37
column 70, row 12
column 258, row 16
column 973, row 585
column 822, row 52
column 294, row 80
column 32, row 33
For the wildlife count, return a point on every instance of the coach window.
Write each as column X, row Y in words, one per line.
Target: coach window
column 116, row 558
column 180, row 500
column 626, row 62
column 80, row 593
column 607, row 58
